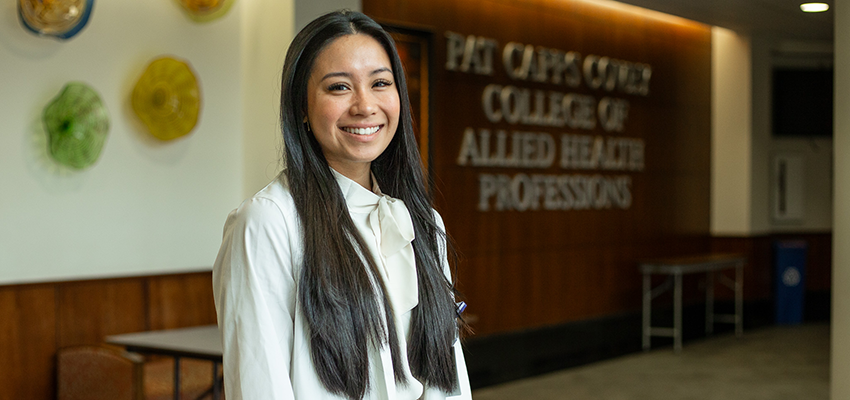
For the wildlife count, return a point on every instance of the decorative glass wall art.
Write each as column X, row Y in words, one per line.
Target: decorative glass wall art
column 167, row 98
column 206, row 10
column 61, row 19
column 77, row 123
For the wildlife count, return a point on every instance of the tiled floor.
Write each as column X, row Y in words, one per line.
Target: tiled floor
column 774, row 363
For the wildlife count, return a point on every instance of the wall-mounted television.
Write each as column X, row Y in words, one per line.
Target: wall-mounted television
column 802, row 102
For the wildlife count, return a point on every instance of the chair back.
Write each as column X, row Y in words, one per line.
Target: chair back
column 92, row 372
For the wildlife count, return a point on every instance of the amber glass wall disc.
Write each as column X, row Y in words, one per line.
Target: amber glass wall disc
column 58, row 18
column 167, row 98
column 206, row 10
column 77, row 123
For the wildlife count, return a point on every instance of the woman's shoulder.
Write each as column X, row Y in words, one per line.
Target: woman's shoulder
column 277, row 192
column 272, row 205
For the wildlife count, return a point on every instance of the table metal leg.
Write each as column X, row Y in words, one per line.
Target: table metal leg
column 647, row 310
column 216, row 382
column 709, row 302
column 739, row 300
column 176, row 378
column 677, row 313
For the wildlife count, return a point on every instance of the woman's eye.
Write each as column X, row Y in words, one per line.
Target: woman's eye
column 383, row 83
column 337, row 87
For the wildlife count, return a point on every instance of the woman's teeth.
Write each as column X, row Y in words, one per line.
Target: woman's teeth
column 362, row 131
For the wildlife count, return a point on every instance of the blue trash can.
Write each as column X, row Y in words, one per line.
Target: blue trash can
column 790, row 282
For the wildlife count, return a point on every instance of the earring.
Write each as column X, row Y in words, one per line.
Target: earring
column 307, row 124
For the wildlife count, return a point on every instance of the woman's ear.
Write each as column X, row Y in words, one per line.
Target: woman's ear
column 307, row 123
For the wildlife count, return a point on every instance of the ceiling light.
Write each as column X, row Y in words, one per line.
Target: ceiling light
column 814, row 7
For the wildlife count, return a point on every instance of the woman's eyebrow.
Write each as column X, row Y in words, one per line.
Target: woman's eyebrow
column 335, row 75
column 349, row 76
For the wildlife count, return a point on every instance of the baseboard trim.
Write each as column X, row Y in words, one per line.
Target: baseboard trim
column 501, row 358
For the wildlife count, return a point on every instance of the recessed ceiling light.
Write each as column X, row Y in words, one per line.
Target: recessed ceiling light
column 814, row 7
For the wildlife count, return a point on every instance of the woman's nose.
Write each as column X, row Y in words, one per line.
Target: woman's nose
column 365, row 103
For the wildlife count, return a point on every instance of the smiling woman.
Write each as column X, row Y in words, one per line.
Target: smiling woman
column 353, row 104
column 333, row 281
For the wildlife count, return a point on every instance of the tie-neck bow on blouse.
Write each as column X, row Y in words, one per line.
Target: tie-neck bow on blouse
column 388, row 219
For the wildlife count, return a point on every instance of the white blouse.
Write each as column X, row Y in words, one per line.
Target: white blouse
column 255, row 278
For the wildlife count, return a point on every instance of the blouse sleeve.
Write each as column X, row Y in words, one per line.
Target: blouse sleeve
column 254, row 293
column 462, row 374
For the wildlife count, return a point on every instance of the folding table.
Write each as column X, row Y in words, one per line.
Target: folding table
column 675, row 268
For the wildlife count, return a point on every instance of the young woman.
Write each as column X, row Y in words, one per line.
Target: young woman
column 333, row 282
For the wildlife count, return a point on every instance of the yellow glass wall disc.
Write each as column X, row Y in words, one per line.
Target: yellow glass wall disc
column 167, row 98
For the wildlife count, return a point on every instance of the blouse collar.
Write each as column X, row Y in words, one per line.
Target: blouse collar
column 357, row 197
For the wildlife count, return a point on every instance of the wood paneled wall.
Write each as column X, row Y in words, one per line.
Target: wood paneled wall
column 526, row 269
column 759, row 274
column 38, row 319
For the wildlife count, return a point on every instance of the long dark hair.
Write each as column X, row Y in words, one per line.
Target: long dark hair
column 336, row 290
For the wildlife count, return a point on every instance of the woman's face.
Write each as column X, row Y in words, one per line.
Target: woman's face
column 352, row 102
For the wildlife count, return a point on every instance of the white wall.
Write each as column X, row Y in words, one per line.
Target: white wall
column 146, row 206
column 760, row 137
column 267, row 31
column 816, row 153
column 840, row 322
column 731, row 125
column 743, row 146
column 307, row 10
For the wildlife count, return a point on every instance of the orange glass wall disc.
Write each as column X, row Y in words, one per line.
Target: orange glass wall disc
column 58, row 18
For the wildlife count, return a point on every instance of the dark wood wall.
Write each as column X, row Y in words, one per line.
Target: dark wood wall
column 526, row 269
column 759, row 275
column 38, row 319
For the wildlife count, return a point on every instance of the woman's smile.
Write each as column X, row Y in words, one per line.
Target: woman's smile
column 362, row 131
